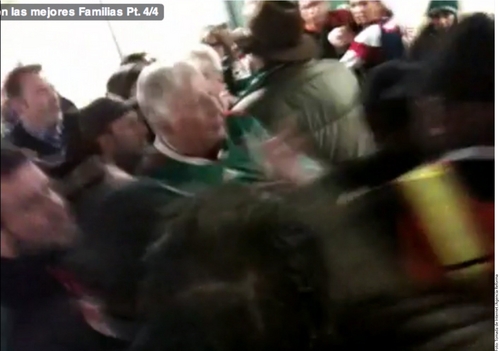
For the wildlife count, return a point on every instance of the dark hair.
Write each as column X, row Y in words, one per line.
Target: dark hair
column 137, row 57
column 387, row 95
column 122, row 81
column 465, row 66
column 12, row 85
column 240, row 273
column 12, row 159
column 96, row 118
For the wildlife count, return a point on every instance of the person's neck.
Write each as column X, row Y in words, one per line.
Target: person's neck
column 38, row 128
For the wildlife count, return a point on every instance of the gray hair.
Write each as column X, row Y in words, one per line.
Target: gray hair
column 205, row 59
column 158, row 83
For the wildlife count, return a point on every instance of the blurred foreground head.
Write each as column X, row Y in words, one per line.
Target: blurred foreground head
column 456, row 106
column 108, row 259
column 234, row 271
column 387, row 101
column 34, row 218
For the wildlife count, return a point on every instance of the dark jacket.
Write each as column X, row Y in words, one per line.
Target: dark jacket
column 327, row 50
column 322, row 97
column 88, row 184
column 41, row 315
column 67, row 106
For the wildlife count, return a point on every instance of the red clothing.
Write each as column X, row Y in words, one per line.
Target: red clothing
column 367, row 50
column 335, row 18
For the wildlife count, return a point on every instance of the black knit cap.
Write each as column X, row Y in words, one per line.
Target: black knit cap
column 99, row 114
column 388, row 90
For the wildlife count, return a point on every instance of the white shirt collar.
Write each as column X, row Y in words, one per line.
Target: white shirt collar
column 169, row 151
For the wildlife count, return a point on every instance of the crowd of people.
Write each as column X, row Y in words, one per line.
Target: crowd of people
column 315, row 180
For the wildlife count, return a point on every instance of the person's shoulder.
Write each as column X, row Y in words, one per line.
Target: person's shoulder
column 67, row 106
column 140, row 196
column 328, row 77
column 328, row 66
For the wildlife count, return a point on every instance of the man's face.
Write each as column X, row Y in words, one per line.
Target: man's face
column 34, row 217
column 313, row 12
column 39, row 103
column 366, row 12
column 216, row 84
column 129, row 134
column 198, row 116
column 443, row 20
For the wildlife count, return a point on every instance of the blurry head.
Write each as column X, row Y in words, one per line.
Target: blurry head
column 33, row 98
column 368, row 11
column 117, row 130
column 108, row 259
column 443, row 19
column 262, row 289
column 314, row 12
column 387, row 101
column 457, row 100
column 206, row 60
column 218, row 38
column 443, row 14
column 34, row 218
column 178, row 102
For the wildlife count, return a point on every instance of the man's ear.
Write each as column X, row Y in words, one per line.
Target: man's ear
column 18, row 105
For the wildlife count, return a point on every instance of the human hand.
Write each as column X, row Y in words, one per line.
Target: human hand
column 340, row 37
column 284, row 159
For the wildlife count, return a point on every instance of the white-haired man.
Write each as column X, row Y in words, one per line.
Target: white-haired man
column 196, row 145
